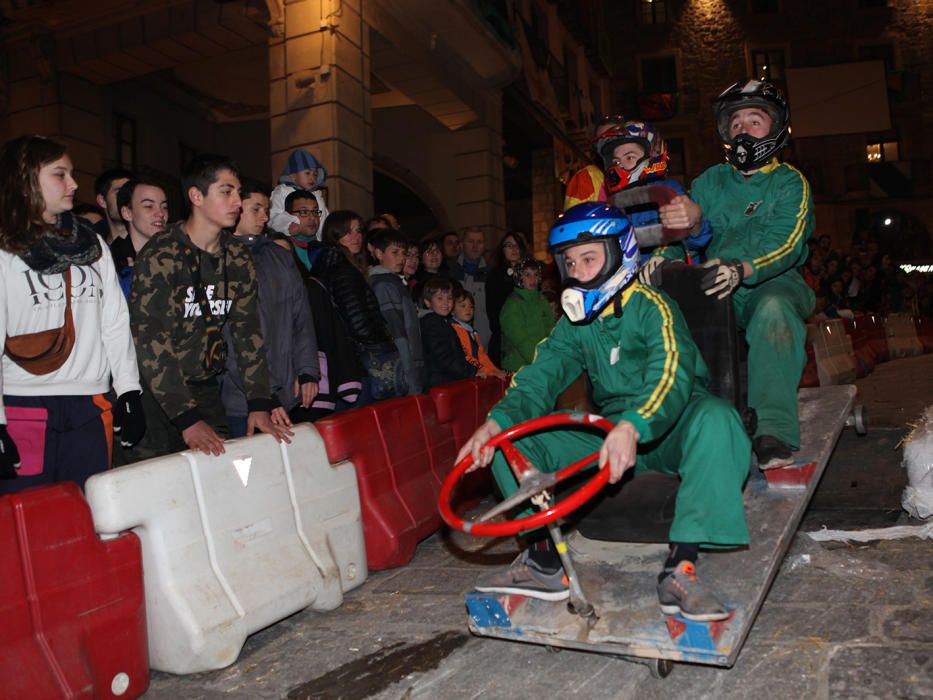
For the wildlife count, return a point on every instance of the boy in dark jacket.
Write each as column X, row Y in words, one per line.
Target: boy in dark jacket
column 285, row 316
column 395, row 303
column 445, row 360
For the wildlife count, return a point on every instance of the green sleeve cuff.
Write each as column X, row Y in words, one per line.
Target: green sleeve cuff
column 641, row 425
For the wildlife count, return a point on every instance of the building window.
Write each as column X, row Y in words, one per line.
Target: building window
column 659, row 74
column 878, row 52
column 186, row 154
column 124, row 131
column 882, row 151
column 765, row 7
column 768, row 64
column 653, row 11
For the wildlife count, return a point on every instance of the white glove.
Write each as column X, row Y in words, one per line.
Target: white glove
column 721, row 277
column 646, row 273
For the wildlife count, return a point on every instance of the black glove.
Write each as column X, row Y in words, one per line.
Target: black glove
column 721, row 277
column 9, row 455
column 650, row 272
column 129, row 422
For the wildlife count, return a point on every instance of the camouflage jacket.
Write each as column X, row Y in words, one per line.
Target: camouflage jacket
column 171, row 337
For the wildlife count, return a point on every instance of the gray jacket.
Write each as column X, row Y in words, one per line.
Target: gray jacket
column 287, row 328
column 401, row 316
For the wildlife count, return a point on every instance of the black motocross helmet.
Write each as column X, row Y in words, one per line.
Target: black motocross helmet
column 747, row 152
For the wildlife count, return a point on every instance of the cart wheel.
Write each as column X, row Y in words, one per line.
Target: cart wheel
column 861, row 420
column 661, row 668
column 858, row 419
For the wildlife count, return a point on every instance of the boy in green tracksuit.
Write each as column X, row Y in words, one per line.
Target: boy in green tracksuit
column 649, row 379
column 762, row 215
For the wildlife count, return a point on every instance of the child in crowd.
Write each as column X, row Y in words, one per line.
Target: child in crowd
column 64, row 329
column 431, row 264
column 464, row 308
column 635, row 156
column 526, row 316
column 285, row 316
column 301, row 172
column 401, row 315
column 445, row 360
column 195, row 299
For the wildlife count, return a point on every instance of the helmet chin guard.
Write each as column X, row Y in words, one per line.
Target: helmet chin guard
column 594, row 222
column 744, row 151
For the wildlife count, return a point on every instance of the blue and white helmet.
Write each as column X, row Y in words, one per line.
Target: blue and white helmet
column 594, row 222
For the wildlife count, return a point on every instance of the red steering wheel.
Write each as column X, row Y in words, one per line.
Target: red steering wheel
column 531, row 481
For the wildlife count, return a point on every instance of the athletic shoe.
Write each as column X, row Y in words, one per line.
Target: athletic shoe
column 525, row 577
column 680, row 593
column 772, row 452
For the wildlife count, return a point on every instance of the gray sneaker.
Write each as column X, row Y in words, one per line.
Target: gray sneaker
column 682, row 594
column 524, row 577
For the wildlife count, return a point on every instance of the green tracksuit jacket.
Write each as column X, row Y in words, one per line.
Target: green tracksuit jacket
column 646, row 369
column 765, row 220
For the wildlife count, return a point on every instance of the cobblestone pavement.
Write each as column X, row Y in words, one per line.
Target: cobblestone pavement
column 841, row 621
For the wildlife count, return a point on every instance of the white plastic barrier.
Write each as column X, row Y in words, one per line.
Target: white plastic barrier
column 234, row 543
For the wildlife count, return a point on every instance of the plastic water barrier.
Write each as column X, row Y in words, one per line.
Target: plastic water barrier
column 72, row 616
column 234, row 543
column 402, row 454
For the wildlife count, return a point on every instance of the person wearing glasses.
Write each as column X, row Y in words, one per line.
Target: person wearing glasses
column 302, row 205
column 302, row 171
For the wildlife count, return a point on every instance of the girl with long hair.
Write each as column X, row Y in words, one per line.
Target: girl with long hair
column 64, row 328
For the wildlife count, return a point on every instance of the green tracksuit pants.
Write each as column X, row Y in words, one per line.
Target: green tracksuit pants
column 707, row 448
column 772, row 314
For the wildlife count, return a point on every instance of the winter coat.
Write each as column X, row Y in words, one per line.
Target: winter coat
column 401, row 316
column 526, row 319
column 444, row 359
column 353, row 297
column 475, row 283
column 285, row 315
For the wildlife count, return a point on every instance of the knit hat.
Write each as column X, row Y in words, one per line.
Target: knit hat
column 300, row 160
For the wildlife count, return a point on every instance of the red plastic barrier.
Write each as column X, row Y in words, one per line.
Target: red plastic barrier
column 925, row 333
column 877, row 337
column 857, row 329
column 72, row 608
column 464, row 406
column 810, row 377
column 401, row 453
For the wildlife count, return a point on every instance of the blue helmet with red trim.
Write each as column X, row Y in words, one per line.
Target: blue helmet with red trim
column 594, row 222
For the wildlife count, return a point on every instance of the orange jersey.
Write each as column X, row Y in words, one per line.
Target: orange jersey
column 474, row 351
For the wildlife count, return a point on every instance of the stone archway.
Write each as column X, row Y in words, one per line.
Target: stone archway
column 405, row 178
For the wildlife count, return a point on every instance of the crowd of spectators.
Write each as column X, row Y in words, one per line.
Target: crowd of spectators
column 256, row 308
column 863, row 279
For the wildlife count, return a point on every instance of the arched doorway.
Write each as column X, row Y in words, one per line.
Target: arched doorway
column 391, row 195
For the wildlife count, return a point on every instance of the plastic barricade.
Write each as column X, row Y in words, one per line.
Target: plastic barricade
column 925, row 333
column 877, row 337
column 72, row 616
column 234, row 543
column 902, row 336
column 401, row 453
column 857, row 330
column 832, row 348
column 464, row 405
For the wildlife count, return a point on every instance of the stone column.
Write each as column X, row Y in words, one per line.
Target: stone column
column 319, row 97
column 480, row 194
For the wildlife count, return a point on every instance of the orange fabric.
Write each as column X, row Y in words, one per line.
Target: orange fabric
column 106, row 416
column 482, row 363
column 586, row 185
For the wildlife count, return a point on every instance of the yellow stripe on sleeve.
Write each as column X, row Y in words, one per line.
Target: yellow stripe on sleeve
column 797, row 233
column 663, row 387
